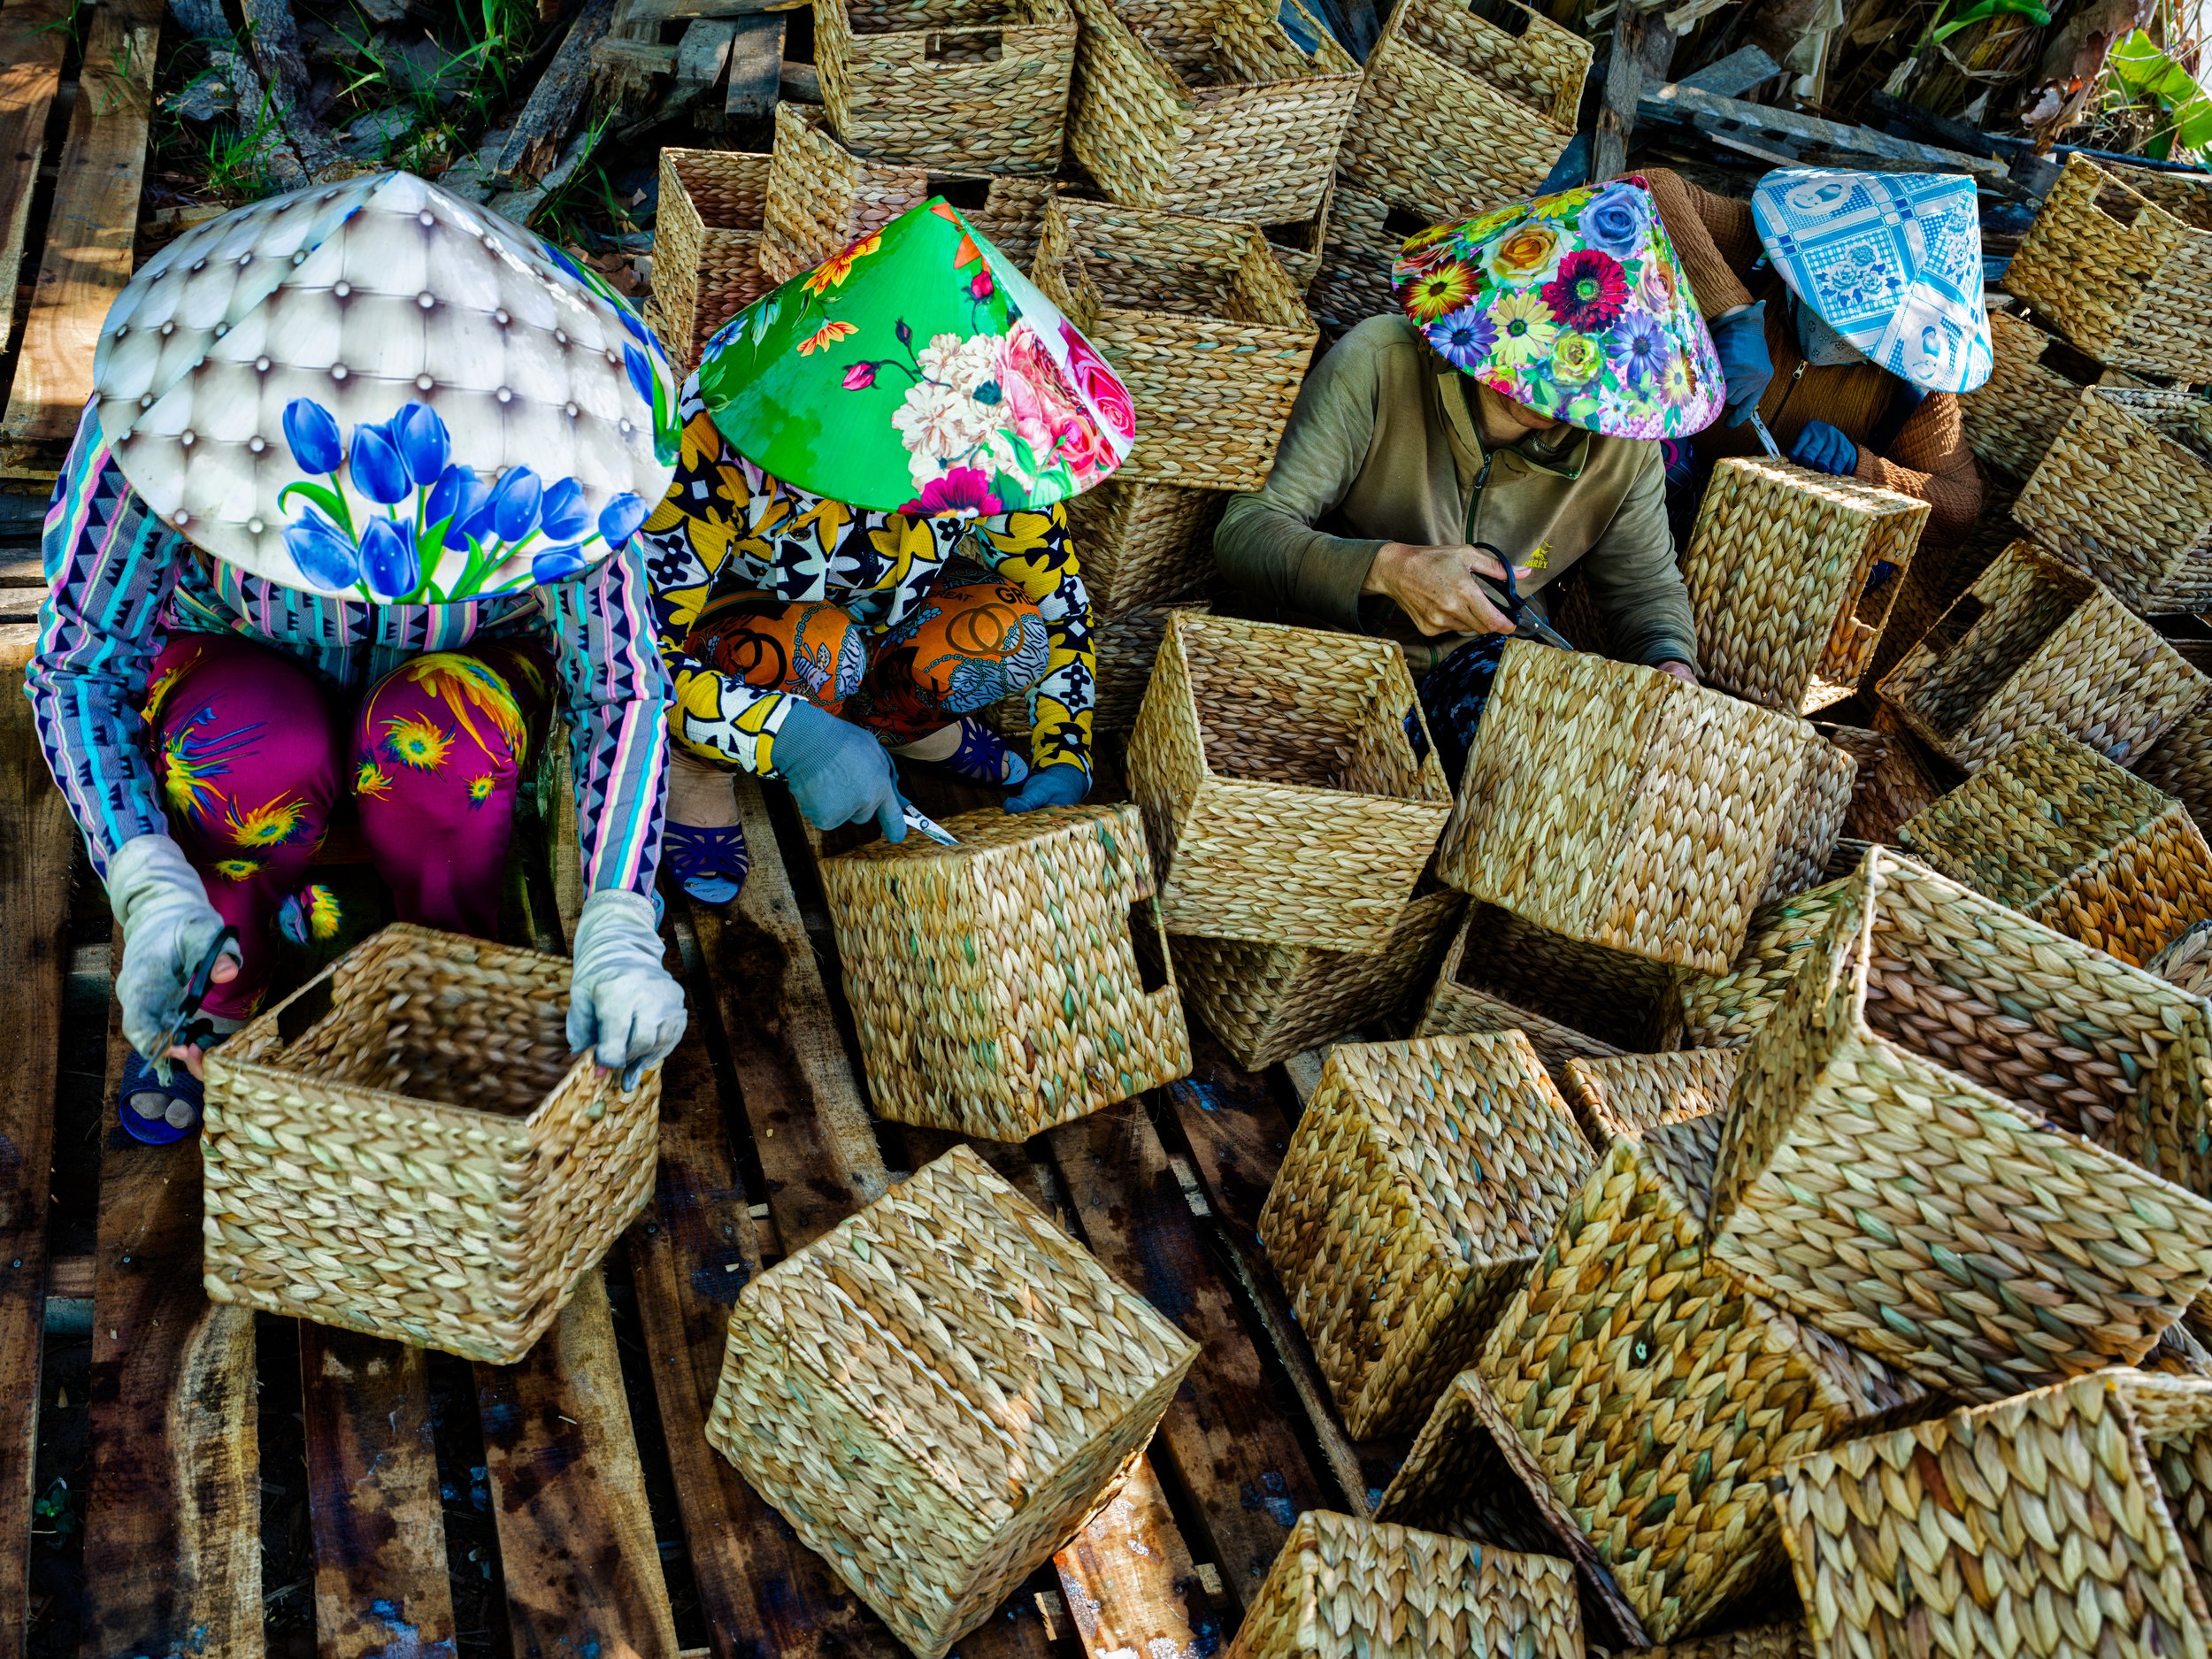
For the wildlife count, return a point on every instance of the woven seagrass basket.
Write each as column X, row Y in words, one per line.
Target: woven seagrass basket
column 1420, row 1183
column 2180, row 763
column 1267, row 1002
column 706, row 244
column 406, row 1147
column 1791, row 575
column 1344, row 1588
column 1201, row 322
column 823, row 198
column 2036, row 645
column 1651, row 1394
column 1351, row 280
column 2061, row 834
column 2034, row 387
column 1464, row 107
column 1942, row 570
column 1812, row 821
column 2186, row 961
column 938, row 1393
column 1143, row 544
column 1897, row 775
column 1298, row 243
column 1633, row 1093
column 1760, row 1641
column 1123, row 648
column 2126, row 490
column 995, row 986
column 2066, row 1522
column 980, row 85
column 1725, row 1010
column 1283, row 797
column 1622, row 807
column 1209, row 106
column 1898, row 1143
column 1574, row 1000
column 2122, row 277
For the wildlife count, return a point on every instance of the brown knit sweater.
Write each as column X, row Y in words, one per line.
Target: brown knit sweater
column 1718, row 244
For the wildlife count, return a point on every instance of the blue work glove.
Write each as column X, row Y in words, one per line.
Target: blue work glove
column 623, row 1005
column 1821, row 447
column 168, row 929
column 838, row 773
column 1063, row 783
column 1739, row 339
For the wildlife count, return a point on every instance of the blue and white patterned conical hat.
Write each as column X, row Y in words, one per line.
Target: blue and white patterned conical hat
column 1890, row 261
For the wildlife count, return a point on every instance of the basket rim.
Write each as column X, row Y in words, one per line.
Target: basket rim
column 1195, row 96
column 1057, row 18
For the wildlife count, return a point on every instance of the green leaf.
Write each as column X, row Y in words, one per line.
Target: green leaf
column 322, row 495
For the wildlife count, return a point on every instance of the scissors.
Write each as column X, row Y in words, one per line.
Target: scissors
column 928, row 826
column 1766, row 438
column 1528, row 624
column 196, row 990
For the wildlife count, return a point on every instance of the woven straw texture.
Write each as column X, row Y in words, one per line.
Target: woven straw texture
column 2061, row 834
column 1200, row 321
column 1574, row 1000
column 428, row 1161
column 1143, row 544
column 938, row 1392
column 706, row 244
column 1352, row 278
column 994, row 984
column 2034, row 646
column 2029, row 395
column 2127, row 489
column 1813, row 819
column 2180, row 763
column 1126, row 647
column 1460, row 111
column 1421, row 1182
column 1267, row 1002
column 1299, row 243
column 822, row 198
column 1897, row 777
column 1886, row 1170
column 2120, row 276
column 975, row 84
column 1208, row 106
column 2187, row 960
column 1279, row 787
column 1761, row 1642
column 1634, row 1093
column 1653, row 1394
column 1726, row 1011
column 1350, row 1589
column 1620, row 807
column 2037, row 1527
column 1780, row 570
column 1940, row 572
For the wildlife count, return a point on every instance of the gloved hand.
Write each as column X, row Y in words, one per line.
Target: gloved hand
column 838, row 773
column 622, row 1003
column 1740, row 341
column 1063, row 783
column 168, row 929
column 1821, row 447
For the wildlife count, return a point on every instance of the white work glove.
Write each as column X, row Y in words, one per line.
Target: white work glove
column 622, row 1003
column 168, row 929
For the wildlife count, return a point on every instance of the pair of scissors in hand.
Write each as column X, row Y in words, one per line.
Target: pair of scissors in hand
column 1528, row 623
column 195, row 990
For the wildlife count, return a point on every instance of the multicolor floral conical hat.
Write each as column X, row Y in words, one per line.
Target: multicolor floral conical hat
column 919, row 371
column 377, row 390
column 1574, row 304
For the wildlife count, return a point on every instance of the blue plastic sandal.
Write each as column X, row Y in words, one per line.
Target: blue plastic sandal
column 709, row 865
column 983, row 755
column 179, row 1099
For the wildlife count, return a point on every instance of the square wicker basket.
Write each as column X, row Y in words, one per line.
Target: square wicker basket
column 1344, row 1588
column 706, row 244
column 2127, row 279
column 1201, row 322
column 1791, row 575
column 1465, row 106
column 2034, row 386
column 1352, row 279
column 1209, row 106
column 1653, row 1395
column 1623, row 807
column 2058, row 833
column 977, row 85
column 996, row 985
column 406, row 1147
column 938, row 1393
column 1725, row 1010
column 1267, row 1002
column 1634, row 1093
column 2034, row 645
column 1283, row 797
column 1897, row 1146
column 2126, row 490
column 1143, row 544
column 2180, row 763
column 1420, row 1183
column 2066, row 1522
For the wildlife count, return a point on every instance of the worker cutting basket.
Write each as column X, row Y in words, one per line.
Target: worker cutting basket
column 1443, row 468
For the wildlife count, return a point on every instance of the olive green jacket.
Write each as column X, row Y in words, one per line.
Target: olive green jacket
column 1383, row 447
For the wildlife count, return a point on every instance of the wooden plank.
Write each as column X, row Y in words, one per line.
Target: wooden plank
column 685, row 11
column 1818, row 142
column 40, row 844
column 32, row 45
column 1732, row 76
column 90, row 227
column 380, row 1584
column 644, row 57
column 543, row 126
column 703, row 53
column 172, row 1514
column 576, row 1544
column 756, row 68
column 1129, row 1582
column 1623, row 81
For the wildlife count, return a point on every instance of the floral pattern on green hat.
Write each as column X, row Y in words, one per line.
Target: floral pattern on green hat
column 918, row 371
column 1574, row 304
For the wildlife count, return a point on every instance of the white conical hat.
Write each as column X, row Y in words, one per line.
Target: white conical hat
column 377, row 390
